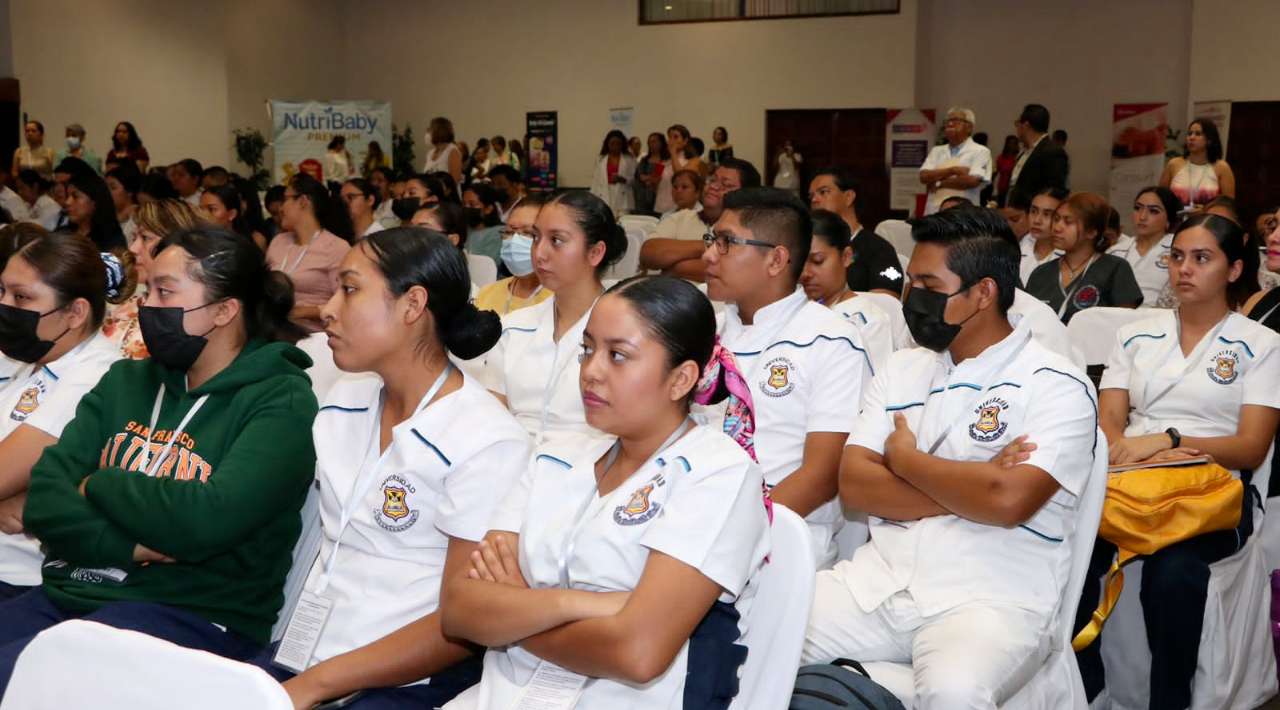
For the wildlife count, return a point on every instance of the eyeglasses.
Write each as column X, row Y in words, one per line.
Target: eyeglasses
column 722, row 242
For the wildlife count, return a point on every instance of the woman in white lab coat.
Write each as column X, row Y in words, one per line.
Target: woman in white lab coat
column 624, row 565
column 1201, row 379
column 409, row 454
column 534, row 366
column 614, row 172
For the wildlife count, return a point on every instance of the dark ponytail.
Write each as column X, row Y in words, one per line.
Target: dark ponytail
column 330, row 213
column 414, row 256
column 230, row 265
column 595, row 218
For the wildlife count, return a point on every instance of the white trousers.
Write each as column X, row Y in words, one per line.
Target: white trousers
column 974, row 655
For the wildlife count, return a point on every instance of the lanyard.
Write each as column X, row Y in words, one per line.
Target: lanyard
column 284, row 262
column 1192, row 361
column 1079, row 284
column 580, row 520
column 360, row 486
column 511, row 293
column 947, row 431
column 154, row 466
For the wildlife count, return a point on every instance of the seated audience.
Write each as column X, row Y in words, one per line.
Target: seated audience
column 222, row 206
column 875, row 264
column 966, row 562
column 92, row 211
column 523, row 288
column 1084, row 275
column 318, row 235
column 361, row 200
column 484, row 224
column 1036, row 246
column 1156, row 211
column 680, row 257
column 34, row 191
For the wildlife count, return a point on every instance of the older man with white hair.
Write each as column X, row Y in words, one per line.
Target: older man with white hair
column 958, row 168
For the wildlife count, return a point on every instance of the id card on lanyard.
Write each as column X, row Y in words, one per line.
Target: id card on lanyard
column 302, row 635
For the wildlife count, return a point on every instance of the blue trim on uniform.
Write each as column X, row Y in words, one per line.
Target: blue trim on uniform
column 340, row 408
column 432, row 446
column 715, row 657
column 900, row 407
column 54, row 375
column 5, row 379
column 1087, row 395
column 1241, row 343
column 863, row 317
column 1004, row 384
column 816, row 338
column 1132, row 338
column 684, row 462
column 970, row 385
column 519, row 330
column 1041, row 535
column 549, row 457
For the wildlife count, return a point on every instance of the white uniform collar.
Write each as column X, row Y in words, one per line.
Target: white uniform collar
column 995, row 356
column 72, row 356
column 770, row 316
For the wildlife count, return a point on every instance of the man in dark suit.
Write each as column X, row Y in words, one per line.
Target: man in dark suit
column 1043, row 163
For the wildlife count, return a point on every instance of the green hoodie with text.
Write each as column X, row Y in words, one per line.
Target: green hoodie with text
column 224, row 503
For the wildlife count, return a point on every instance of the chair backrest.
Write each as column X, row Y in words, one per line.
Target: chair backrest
column 646, row 223
column 779, row 615
column 83, row 664
column 1093, row 330
column 629, row 264
column 483, row 269
column 898, row 233
column 1089, row 514
column 305, row 552
column 323, row 371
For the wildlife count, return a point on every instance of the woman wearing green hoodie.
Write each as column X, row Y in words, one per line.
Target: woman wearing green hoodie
column 170, row 505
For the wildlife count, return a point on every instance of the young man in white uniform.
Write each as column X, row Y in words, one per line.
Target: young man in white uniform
column 805, row 364
column 967, row 559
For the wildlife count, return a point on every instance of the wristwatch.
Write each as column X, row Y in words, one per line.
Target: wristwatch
column 1175, row 439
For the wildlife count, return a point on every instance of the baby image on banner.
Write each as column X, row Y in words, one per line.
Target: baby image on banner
column 301, row 131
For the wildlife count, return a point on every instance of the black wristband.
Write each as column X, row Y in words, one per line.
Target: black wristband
column 1175, row 438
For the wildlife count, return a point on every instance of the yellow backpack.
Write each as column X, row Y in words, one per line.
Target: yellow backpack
column 1149, row 509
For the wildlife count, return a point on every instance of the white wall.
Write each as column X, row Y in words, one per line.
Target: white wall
column 581, row 57
column 1076, row 58
column 1233, row 50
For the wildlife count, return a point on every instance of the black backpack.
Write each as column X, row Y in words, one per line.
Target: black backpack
column 840, row 684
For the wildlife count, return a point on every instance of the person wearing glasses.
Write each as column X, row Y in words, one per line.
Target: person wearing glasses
column 317, row 236
column 804, row 363
column 958, row 168
column 674, row 256
column 523, row 288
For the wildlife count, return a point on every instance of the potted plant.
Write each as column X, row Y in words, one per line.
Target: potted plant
column 251, row 147
column 402, row 149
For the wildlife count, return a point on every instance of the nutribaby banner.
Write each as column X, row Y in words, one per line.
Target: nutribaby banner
column 301, row 131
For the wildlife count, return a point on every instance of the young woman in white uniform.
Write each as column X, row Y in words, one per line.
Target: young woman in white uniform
column 824, row 280
column 53, row 296
column 1199, row 379
column 1037, row 245
column 407, row 466
column 534, row 366
column 624, row 563
column 1155, row 213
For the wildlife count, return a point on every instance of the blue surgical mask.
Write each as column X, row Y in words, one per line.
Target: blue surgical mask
column 517, row 254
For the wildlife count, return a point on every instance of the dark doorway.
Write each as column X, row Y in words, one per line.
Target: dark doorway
column 10, row 121
column 1253, row 150
column 827, row 137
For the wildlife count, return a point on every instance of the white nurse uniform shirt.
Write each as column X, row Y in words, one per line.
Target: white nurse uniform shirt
column 874, row 326
column 46, row 397
column 1012, row 388
column 698, row 501
column 806, row 367
column 1150, row 269
column 441, row 477
column 1029, row 262
column 1234, row 364
column 537, row 375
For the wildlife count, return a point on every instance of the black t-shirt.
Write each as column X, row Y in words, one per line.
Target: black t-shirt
column 875, row 264
column 1108, row 281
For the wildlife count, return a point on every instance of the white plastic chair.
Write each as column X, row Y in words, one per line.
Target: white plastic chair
column 1057, row 685
column 893, row 308
column 1093, row 330
column 780, row 612
column 482, row 268
column 83, row 664
column 1236, row 667
column 323, row 371
column 898, row 233
column 645, row 223
column 629, row 264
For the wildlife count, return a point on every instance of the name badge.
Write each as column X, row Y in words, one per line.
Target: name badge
column 302, row 635
column 551, row 688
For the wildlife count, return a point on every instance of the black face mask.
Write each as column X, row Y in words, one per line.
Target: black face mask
column 167, row 340
column 18, row 337
column 475, row 216
column 502, row 195
column 404, row 207
column 923, row 311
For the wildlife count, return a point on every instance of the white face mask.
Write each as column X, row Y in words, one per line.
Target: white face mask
column 73, row 142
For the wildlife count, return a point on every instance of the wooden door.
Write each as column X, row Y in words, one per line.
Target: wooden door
column 853, row 138
column 10, row 121
column 1253, row 150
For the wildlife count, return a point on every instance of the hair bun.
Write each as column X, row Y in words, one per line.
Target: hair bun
column 115, row 274
column 470, row 332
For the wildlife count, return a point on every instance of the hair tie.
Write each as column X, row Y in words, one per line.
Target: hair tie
column 115, row 274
